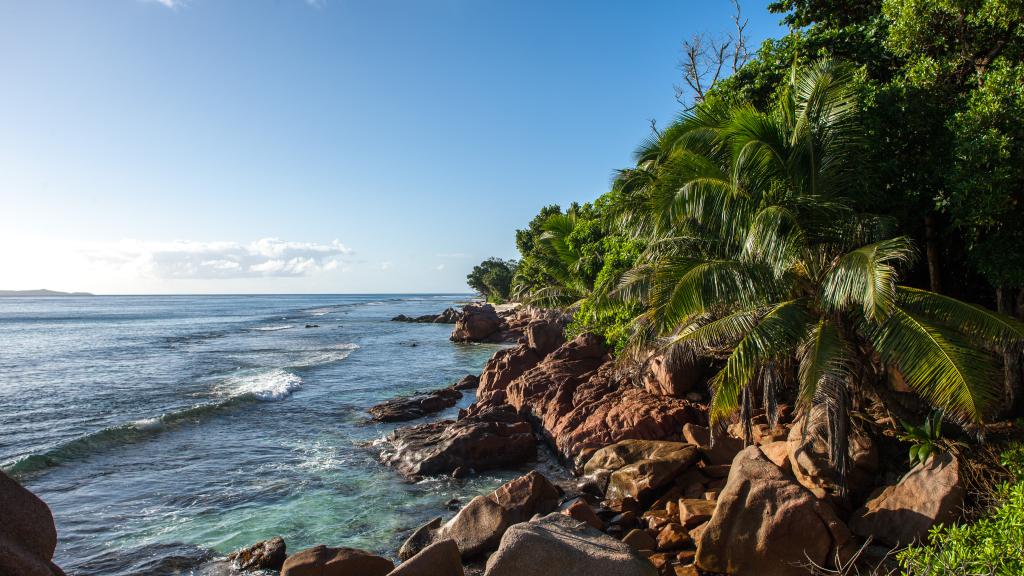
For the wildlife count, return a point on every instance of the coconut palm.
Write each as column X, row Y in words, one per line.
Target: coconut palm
column 559, row 257
column 757, row 255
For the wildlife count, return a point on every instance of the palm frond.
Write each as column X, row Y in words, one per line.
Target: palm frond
column 866, row 277
column 824, row 358
column 774, row 337
column 939, row 364
column 969, row 319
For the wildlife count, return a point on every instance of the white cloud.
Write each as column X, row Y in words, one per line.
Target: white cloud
column 385, row 265
column 439, row 267
column 172, row 4
column 450, row 255
column 267, row 257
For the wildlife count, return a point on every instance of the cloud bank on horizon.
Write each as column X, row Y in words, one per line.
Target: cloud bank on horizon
column 266, row 257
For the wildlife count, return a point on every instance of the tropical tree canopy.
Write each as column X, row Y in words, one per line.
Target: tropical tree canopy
column 756, row 254
column 492, row 278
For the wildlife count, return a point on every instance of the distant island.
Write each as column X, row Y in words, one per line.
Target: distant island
column 41, row 292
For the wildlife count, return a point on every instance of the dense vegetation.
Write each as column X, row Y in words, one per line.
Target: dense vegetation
column 924, row 145
column 992, row 545
column 843, row 212
column 492, row 278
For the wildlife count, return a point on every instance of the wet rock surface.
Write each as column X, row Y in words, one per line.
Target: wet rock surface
column 487, row 439
column 403, row 409
column 325, row 561
column 28, row 536
column 449, row 316
column 265, row 555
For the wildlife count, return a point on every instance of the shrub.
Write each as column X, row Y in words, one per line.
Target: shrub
column 993, row 545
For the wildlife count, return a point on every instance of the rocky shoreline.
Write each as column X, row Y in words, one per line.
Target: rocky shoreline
column 657, row 492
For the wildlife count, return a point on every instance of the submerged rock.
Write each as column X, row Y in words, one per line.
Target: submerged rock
column 402, row 409
column 901, row 514
column 487, row 439
column 558, row 544
column 323, row 561
column 264, row 555
column 449, row 316
column 28, row 536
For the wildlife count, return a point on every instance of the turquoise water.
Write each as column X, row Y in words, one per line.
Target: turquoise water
column 166, row 431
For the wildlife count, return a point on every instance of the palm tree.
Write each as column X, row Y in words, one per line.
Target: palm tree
column 559, row 257
column 757, row 255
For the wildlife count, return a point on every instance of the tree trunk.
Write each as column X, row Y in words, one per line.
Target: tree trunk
column 1009, row 303
column 932, row 253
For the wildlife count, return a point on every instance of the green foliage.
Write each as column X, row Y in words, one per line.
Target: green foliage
column 924, row 439
column 993, row 545
column 1013, row 460
column 492, row 278
column 756, row 253
column 987, row 184
column 611, row 320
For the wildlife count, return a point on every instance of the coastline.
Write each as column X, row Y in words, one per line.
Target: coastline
column 616, row 462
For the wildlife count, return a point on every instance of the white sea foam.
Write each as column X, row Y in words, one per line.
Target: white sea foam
column 320, row 457
column 320, row 356
column 274, row 328
column 268, row 386
column 148, row 424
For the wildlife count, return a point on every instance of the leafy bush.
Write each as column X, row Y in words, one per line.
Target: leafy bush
column 493, row 279
column 609, row 319
column 992, row 545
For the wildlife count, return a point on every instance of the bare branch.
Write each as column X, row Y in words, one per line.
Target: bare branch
column 705, row 57
column 654, row 126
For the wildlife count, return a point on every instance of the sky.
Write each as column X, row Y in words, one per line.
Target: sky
column 316, row 146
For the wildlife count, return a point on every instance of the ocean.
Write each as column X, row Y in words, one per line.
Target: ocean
column 166, row 431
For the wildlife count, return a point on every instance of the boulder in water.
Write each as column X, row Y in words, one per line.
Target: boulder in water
column 479, row 441
column 402, row 409
column 449, row 316
column 323, row 561
column 468, row 382
column 477, row 324
column 28, row 536
column 264, row 555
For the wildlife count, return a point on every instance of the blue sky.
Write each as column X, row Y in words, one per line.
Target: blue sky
column 315, row 146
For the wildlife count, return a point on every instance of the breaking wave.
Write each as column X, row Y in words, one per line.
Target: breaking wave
column 265, row 386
